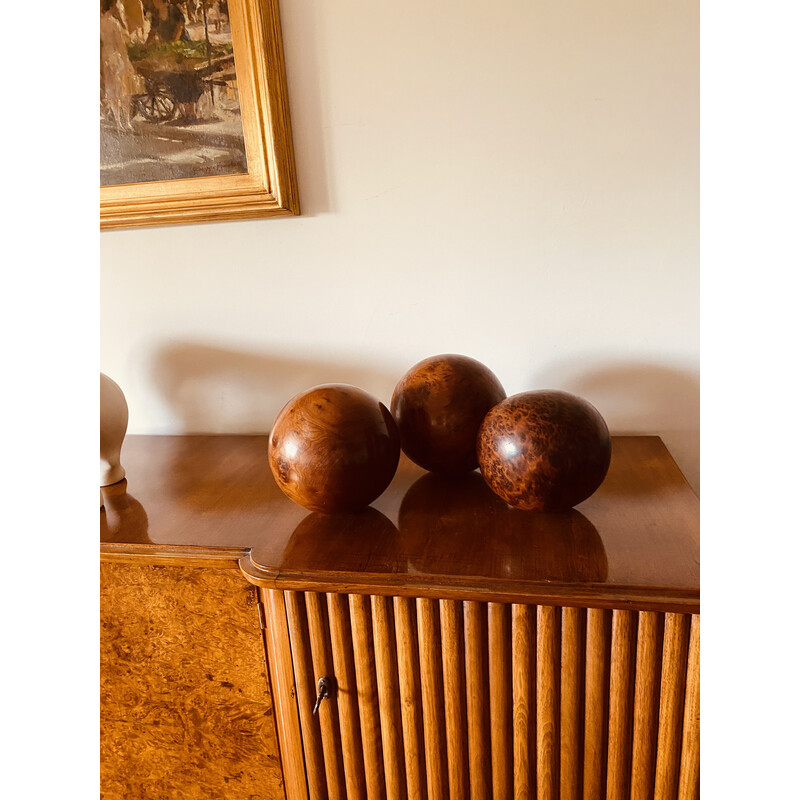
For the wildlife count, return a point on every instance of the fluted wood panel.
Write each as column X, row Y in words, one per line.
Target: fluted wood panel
column 455, row 697
column 620, row 705
column 305, row 685
column 368, row 708
column 500, row 700
column 328, row 714
column 451, row 699
column 689, row 780
column 547, row 705
column 347, row 696
column 389, row 697
column 572, row 659
column 523, row 635
column 478, row 736
column 670, row 717
column 410, row 692
column 645, row 720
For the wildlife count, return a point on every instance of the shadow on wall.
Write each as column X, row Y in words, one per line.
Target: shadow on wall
column 215, row 390
column 640, row 398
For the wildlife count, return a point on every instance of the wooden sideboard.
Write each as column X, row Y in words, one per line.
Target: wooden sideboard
column 470, row 649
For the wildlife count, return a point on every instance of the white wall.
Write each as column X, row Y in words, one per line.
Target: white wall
column 517, row 181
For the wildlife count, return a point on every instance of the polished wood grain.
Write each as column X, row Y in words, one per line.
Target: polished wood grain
column 430, row 661
column 646, row 700
column 543, row 450
column 334, row 448
column 328, row 713
column 439, row 405
column 671, row 706
column 547, row 696
column 620, row 704
column 366, row 682
column 204, row 495
column 410, row 694
column 523, row 636
column 180, row 717
column 287, row 720
column 442, row 582
column 500, row 700
column 344, row 670
column 478, row 730
column 689, row 780
column 571, row 708
column 598, row 636
column 306, row 687
column 455, row 696
column 388, row 696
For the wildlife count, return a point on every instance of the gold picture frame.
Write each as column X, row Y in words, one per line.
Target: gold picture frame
column 269, row 187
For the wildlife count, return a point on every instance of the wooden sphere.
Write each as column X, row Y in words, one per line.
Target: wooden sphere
column 334, row 448
column 439, row 405
column 544, row 450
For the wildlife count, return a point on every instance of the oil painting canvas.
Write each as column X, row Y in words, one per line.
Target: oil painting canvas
column 194, row 113
column 169, row 105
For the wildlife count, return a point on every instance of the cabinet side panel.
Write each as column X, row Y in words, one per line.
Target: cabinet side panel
column 186, row 709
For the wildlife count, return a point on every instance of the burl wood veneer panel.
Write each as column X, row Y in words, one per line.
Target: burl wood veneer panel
column 186, row 710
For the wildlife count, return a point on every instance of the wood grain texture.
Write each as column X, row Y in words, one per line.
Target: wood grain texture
column 671, row 705
column 455, row 696
column 430, row 667
column 543, row 450
column 478, row 730
column 689, row 780
column 598, row 636
column 572, row 688
column 620, row 704
column 334, row 448
column 439, row 405
column 547, row 698
column 217, row 493
column 523, row 635
column 500, row 700
column 347, row 696
column 284, row 692
column 410, row 696
column 328, row 712
column 185, row 706
column 306, row 687
column 366, row 681
column 646, row 699
column 389, row 697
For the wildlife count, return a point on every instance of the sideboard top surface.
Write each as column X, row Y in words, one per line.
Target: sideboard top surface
column 635, row 541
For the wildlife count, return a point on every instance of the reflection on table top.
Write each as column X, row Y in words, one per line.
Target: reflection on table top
column 635, row 541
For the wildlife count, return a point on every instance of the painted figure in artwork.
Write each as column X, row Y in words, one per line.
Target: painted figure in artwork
column 118, row 79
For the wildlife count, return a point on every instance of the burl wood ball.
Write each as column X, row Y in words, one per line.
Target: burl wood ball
column 544, row 450
column 439, row 405
column 334, row 448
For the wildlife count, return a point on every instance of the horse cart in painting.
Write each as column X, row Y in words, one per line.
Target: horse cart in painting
column 171, row 86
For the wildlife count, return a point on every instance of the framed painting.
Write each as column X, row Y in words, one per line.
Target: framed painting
column 194, row 116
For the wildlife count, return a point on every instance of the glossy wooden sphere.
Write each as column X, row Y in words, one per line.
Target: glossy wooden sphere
column 334, row 448
column 439, row 405
column 544, row 450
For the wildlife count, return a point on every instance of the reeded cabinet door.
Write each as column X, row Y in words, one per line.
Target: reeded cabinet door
column 450, row 699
